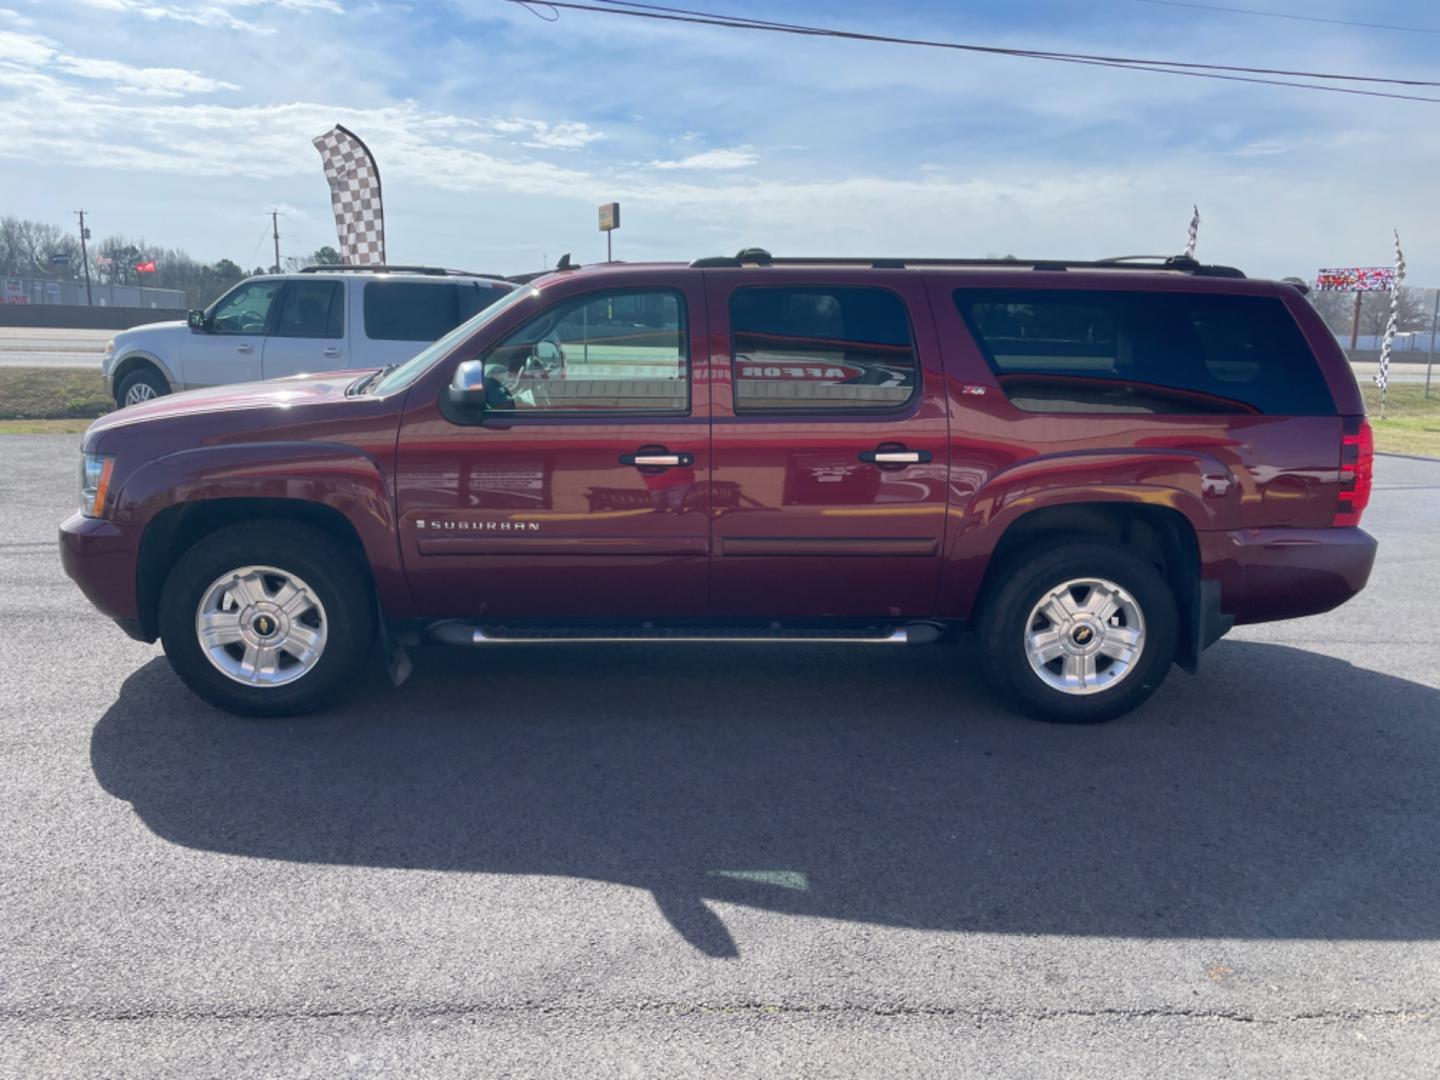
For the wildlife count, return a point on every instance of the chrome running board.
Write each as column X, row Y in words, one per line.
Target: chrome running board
column 455, row 633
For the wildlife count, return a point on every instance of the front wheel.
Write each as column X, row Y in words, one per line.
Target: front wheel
column 268, row 618
column 1079, row 634
column 141, row 385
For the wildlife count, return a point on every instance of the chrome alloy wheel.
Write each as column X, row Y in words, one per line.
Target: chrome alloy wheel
column 261, row 626
column 141, row 391
column 1084, row 636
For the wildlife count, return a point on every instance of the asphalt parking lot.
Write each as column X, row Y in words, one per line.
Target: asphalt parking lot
column 719, row 862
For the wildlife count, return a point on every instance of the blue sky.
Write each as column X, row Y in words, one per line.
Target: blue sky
column 497, row 133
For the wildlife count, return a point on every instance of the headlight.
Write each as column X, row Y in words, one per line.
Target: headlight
column 95, row 470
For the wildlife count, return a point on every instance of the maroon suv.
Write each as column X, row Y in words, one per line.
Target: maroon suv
column 1098, row 467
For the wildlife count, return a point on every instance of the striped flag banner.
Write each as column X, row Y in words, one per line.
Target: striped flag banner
column 1382, row 377
column 354, row 196
column 1193, row 235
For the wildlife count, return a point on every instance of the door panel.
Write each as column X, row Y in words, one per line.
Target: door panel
column 533, row 513
column 231, row 349
column 308, row 332
column 829, row 480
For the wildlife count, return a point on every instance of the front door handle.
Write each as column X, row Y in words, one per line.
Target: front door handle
column 656, row 458
column 245, row 349
column 895, row 454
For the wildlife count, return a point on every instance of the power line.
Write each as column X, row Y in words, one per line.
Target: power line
column 1296, row 18
column 1223, row 72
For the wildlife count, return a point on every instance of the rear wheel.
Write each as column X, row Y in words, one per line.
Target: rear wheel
column 269, row 618
column 140, row 385
column 1079, row 634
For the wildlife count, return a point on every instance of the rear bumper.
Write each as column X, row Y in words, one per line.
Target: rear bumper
column 1282, row 573
column 100, row 558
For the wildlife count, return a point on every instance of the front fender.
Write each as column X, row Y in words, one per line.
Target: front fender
column 333, row 475
column 1197, row 485
column 120, row 361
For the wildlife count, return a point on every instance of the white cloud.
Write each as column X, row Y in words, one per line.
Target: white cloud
column 540, row 135
column 30, row 52
column 215, row 15
column 711, row 159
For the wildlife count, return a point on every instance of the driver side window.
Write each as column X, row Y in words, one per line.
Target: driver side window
column 245, row 310
column 618, row 350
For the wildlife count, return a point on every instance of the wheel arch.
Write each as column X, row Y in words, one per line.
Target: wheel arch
column 1161, row 535
column 136, row 360
column 179, row 527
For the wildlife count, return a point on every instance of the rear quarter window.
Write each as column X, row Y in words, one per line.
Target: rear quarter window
column 1145, row 352
column 422, row 311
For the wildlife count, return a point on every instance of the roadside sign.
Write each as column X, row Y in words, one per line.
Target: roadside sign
column 59, row 258
column 609, row 216
column 1355, row 279
column 103, row 260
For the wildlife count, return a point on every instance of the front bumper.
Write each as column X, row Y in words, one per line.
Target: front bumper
column 1283, row 573
column 101, row 558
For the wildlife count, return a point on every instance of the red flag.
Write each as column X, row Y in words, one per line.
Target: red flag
column 145, row 267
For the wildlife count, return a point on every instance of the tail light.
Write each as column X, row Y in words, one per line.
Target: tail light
column 1357, row 470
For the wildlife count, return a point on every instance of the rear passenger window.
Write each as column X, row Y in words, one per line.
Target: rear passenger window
column 1145, row 352
column 422, row 310
column 821, row 348
column 311, row 309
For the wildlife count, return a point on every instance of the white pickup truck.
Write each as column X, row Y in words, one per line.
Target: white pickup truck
column 323, row 318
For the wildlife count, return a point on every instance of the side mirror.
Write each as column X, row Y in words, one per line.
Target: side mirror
column 196, row 319
column 467, row 387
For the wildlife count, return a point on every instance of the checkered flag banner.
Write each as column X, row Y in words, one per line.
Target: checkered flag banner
column 354, row 195
column 1382, row 377
column 1193, row 235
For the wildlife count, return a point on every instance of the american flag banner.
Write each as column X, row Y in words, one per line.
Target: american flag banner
column 1193, row 235
column 1382, row 377
column 354, row 196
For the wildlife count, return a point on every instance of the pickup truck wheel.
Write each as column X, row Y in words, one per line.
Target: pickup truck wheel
column 142, row 384
column 1079, row 634
column 268, row 618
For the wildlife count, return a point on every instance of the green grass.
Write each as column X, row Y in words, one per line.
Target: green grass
column 1412, row 422
column 43, row 427
column 52, row 394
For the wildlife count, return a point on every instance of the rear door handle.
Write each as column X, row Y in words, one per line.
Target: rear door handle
column 331, row 350
column 245, row 348
column 895, row 455
column 661, row 458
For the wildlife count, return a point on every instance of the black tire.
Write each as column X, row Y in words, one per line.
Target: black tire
column 145, row 375
column 1024, row 582
column 332, row 573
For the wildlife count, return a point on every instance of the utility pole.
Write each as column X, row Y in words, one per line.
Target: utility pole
column 85, row 256
column 1355, row 326
column 275, row 229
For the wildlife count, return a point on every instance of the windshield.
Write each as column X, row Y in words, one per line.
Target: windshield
column 421, row 362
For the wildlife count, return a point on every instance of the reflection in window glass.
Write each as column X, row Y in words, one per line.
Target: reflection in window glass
column 829, row 348
column 1145, row 352
column 618, row 350
column 245, row 310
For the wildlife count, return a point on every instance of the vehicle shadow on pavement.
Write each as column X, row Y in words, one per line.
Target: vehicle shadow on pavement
column 1279, row 794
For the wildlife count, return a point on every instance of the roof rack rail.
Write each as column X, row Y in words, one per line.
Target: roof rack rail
column 383, row 268
column 1181, row 264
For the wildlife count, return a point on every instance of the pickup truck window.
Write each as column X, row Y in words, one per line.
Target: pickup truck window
column 827, row 348
column 617, row 350
column 1145, row 352
column 312, row 309
column 422, row 310
column 246, row 310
